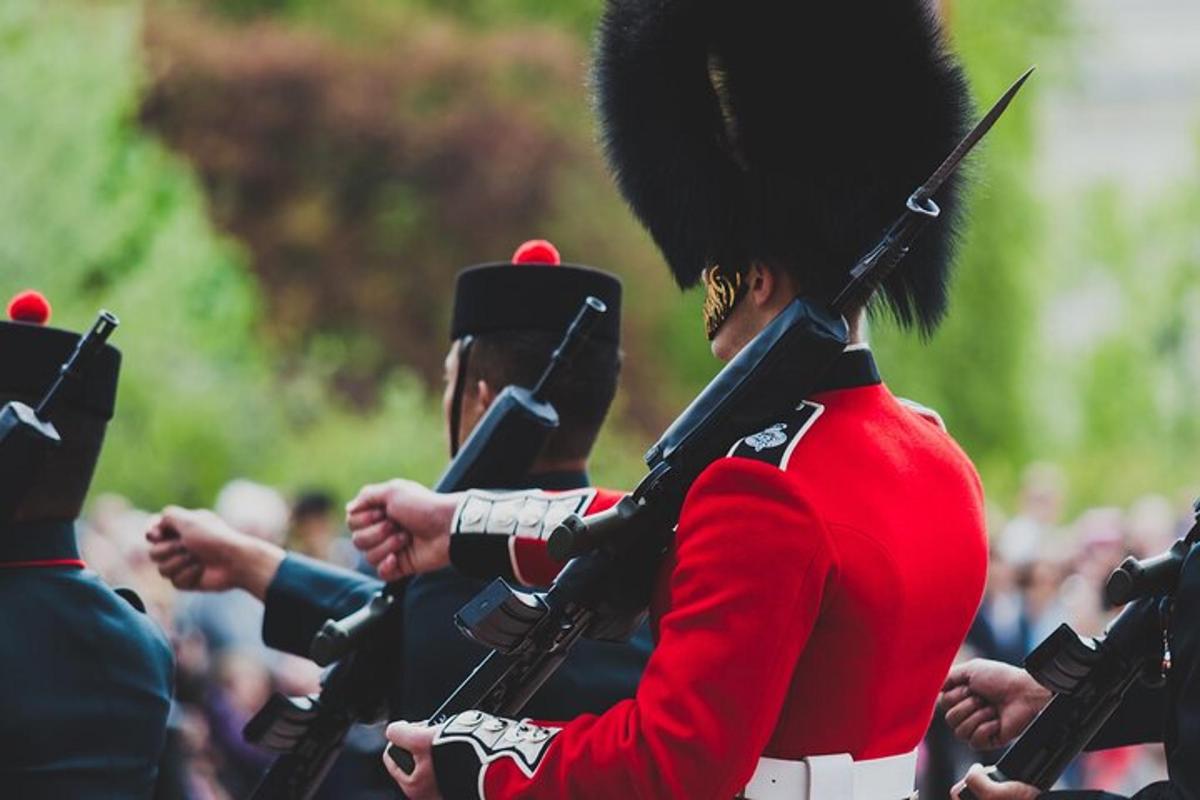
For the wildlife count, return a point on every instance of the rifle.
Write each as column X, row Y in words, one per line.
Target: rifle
column 27, row 434
column 613, row 557
column 309, row 731
column 1090, row 677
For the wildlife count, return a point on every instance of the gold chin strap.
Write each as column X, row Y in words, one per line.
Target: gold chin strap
column 723, row 288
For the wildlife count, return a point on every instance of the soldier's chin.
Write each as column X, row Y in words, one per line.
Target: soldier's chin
column 724, row 344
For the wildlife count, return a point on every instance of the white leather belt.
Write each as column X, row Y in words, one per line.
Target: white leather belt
column 834, row 777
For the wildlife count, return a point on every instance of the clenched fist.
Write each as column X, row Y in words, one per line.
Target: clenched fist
column 989, row 703
column 199, row 551
column 402, row 528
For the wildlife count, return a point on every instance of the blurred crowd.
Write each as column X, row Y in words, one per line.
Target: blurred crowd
column 1044, row 571
column 224, row 672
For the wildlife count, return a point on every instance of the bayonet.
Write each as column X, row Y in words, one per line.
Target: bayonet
column 948, row 167
column 920, row 209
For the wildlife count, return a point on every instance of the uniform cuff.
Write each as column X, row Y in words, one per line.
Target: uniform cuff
column 489, row 526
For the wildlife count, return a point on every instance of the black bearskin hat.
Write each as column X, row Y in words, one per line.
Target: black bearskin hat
column 789, row 133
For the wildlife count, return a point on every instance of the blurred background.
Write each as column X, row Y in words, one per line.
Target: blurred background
column 275, row 195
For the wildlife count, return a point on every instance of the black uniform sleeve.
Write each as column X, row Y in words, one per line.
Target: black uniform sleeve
column 1141, row 718
column 306, row 592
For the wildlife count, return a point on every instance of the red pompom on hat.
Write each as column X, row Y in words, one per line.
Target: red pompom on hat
column 32, row 353
column 518, row 295
column 30, row 307
column 537, row 251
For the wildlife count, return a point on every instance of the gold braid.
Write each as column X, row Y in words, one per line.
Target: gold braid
column 723, row 288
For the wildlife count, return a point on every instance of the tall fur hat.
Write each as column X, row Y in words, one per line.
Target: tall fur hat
column 783, row 132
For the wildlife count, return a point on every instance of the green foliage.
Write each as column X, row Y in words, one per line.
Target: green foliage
column 350, row 221
column 97, row 214
column 361, row 18
column 976, row 369
column 1128, row 296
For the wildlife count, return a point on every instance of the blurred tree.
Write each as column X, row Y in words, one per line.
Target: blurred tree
column 357, row 179
column 976, row 368
column 257, row 109
column 361, row 177
column 359, row 153
column 95, row 213
column 1132, row 343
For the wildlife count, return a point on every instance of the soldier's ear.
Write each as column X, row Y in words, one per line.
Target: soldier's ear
column 761, row 284
column 770, row 287
column 484, row 396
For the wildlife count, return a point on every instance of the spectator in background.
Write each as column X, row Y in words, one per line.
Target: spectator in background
column 1001, row 630
column 316, row 528
column 229, row 673
column 1040, row 582
column 1152, row 525
column 1098, row 544
column 241, row 687
column 1038, row 509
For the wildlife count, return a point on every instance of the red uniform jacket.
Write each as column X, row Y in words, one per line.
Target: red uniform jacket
column 820, row 584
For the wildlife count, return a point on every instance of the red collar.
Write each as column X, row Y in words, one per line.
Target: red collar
column 52, row 562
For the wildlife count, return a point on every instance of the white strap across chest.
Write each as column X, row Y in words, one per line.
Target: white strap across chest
column 833, row 777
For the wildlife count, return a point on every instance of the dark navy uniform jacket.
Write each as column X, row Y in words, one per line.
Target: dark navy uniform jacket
column 1169, row 714
column 86, row 676
column 434, row 656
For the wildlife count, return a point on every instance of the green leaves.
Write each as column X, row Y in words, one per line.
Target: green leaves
column 96, row 213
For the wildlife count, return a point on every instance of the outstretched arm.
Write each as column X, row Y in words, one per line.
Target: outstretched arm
column 402, row 528
column 198, row 551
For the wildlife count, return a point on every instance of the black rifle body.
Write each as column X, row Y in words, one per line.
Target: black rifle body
column 310, row 732
column 604, row 589
column 1090, row 677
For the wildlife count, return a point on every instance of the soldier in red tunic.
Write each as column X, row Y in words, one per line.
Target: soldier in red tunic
column 824, row 574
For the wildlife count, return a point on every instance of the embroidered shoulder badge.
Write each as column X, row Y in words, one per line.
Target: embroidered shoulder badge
column 772, row 436
column 774, row 444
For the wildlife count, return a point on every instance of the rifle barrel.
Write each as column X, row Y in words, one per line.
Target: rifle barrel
column 87, row 348
column 579, row 331
column 874, row 267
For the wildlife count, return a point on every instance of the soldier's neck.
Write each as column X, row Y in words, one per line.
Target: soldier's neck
column 857, row 324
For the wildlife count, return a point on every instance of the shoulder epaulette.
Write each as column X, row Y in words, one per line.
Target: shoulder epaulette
column 923, row 411
column 774, row 444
